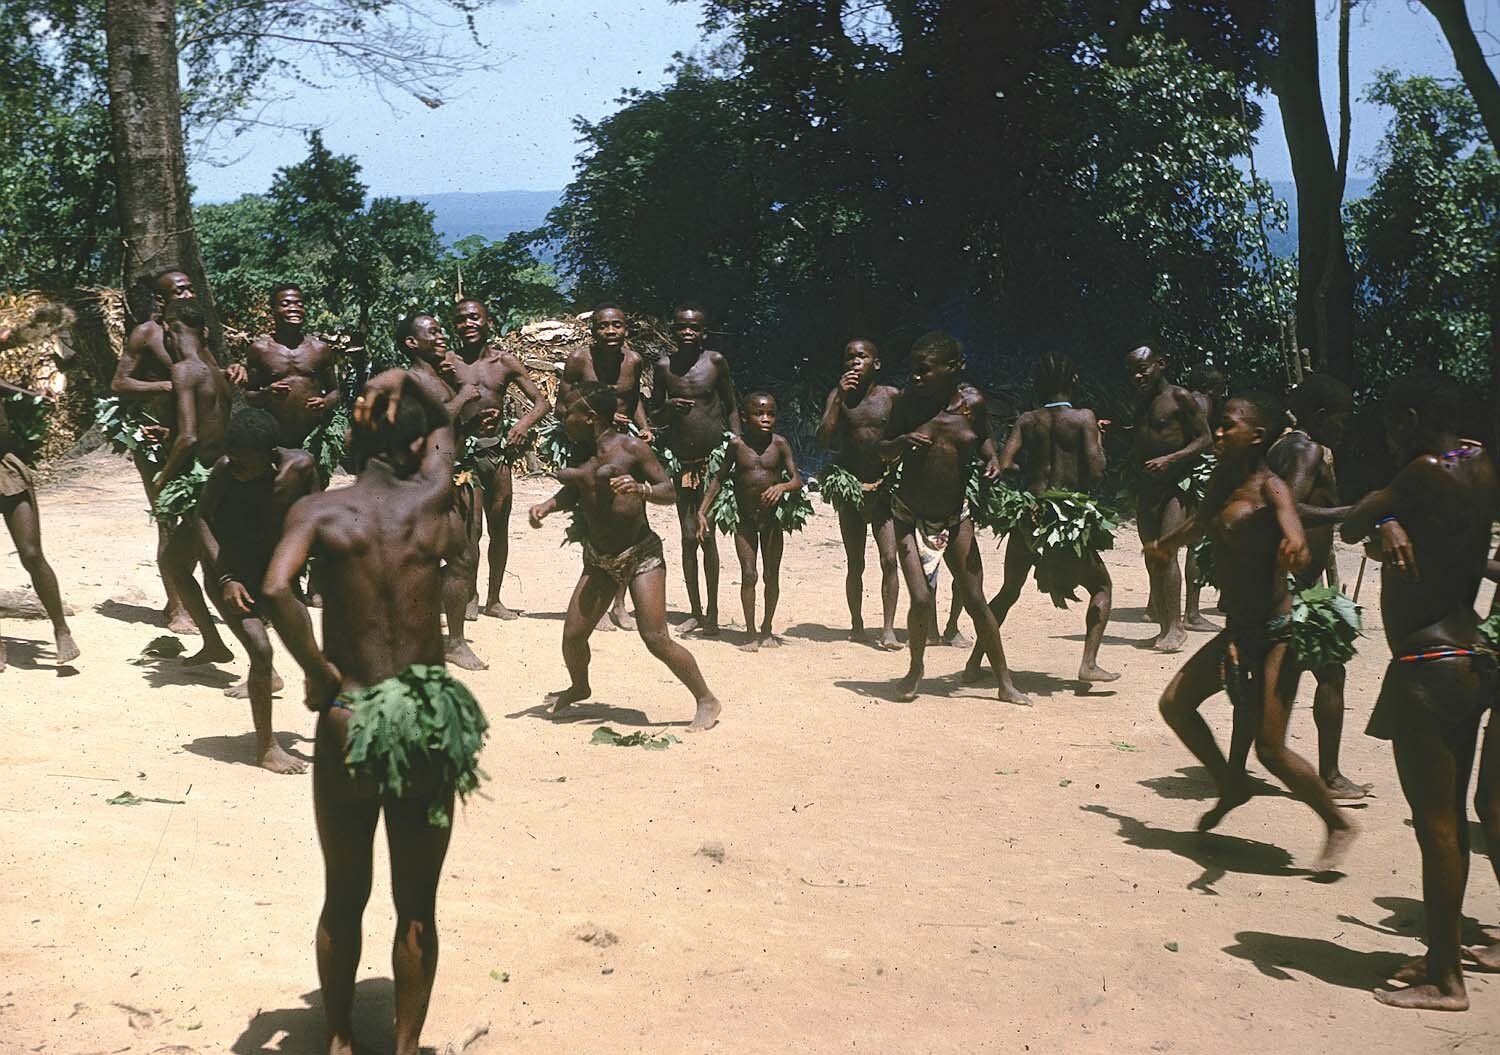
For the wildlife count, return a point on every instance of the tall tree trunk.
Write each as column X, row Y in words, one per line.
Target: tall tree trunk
column 1473, row 67
column 145, row 116
column 1325, row 281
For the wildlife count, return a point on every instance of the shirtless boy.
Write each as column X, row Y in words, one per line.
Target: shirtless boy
column 1171, row 434
column 492, row 371
column 853, row 424
column 421, row 337
column 1062, row 447
column 1439, row 682
column 761, row 465
column 696, row 393
column 18, row 506
column 1304, row 459
column 609, row 358
column 937, row 428
column 292, row 374
column 382, row 542
column 1253, row 521
column 201, row 399
column 240, row 516
column 610, row 491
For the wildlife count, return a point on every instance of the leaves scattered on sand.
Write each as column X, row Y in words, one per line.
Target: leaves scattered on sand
column 640, row 738
column 129, row 798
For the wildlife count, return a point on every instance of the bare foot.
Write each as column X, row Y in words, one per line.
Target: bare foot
column 1228, row 801
column 471, row 613
column 620, row 617
column 67, row 649
column 216, row 653
column 956, row 638
column 710, row 626
column 972, row 675
column 562, row 699
column 1010, row 694
column 1334, row 849
column 690, row 624
column 888, row 641
column 460, row 654
column 340, row 1045
column 770, row 640
column 278, row 761
column 1487, row 957
column 707, row 715
column 182, row 623
column 242, row 690
column 497, row 610
column 753, row 645
column 859, row 635
column 1425, row 998
column 1195, row 621
column 1171, row 640
column 1341, row 787
column 906, row 688
column 1093, row 673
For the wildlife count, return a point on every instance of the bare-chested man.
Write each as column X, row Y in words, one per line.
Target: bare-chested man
column 421, row 337
column 493, row 371
column 696, row 392
column 1303, row 457
column 937, row 428
column 609, row 491
column 609, row 358
column 201, row 399
column 1063, row 452
column 1441, row 679
column 854, row 420
column 143, row 376
column 380, row 688
column 18, row 506
column 1171, row 434
column 292, row 374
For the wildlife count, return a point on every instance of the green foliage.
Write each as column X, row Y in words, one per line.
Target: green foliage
column 841, row 489
column 1205, row 572
column 640, row 738
column 327, row 443
column 1321, row 628
column 1427, row 237
column 996, row 505
column 1489, row 630
column 179, row 496
column 1195, row 483
column 794, row 509
column 130, row 798
column 122, row 422
column 725, row 512
column 1067, row 521
column 421, row 727
column 27, row 418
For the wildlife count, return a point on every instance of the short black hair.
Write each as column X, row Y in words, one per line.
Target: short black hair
column 690, row 305
column 943, row 345
column 406, row 326
column 251, row 429
column 1319, row 392
column 391, row 438
column 471, row 300
column 1054, row 374
column 759, row 393
column 608, row 305
column 602, row 399
column 1269, row 412
column 190, row 311
column 1435, row 398
column 874, row 348
column 164, row 272
column 280, row 288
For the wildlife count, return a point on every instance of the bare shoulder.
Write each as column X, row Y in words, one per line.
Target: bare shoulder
column 717, row 359
column 509, row 360
column 295, row 461
column 1274, row 487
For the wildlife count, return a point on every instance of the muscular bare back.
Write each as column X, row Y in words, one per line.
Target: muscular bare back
column 1061, row 447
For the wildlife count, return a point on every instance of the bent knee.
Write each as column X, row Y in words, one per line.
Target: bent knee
column 657, row 642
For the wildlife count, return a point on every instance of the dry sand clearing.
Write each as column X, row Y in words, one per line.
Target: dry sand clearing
column 827, row 871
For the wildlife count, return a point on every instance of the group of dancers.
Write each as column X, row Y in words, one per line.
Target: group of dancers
column 393, row 560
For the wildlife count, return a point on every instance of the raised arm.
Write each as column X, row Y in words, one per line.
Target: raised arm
column 124, row 383
column 288, row 614
column 377, row 405
column 1403, row 490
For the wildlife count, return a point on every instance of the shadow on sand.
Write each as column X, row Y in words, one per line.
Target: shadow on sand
column 27, row 654
column 1277, row 955
column 240, row 749
column 594, row 713
column 288, row 1030
column 125, row 612
column 1193, row 782
column 164, row 671
column 1216, row 854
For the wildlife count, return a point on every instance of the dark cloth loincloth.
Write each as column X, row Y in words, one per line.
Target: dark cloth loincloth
column 488, row 460
column 417, row 726
column 16, row 477
column 692, row 475
column 624, row 567
column 1447, row 685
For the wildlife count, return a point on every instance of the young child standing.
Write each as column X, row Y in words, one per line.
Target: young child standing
column 760, row 466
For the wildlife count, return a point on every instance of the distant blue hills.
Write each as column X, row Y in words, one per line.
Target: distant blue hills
column 496, row 215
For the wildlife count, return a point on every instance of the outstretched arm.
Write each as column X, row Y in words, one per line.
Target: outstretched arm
column 1401, row 493
column 565, row 498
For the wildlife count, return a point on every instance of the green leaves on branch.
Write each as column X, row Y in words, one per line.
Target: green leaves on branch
column 1321, row 628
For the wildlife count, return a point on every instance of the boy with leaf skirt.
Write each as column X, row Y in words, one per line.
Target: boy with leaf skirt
column 756, row 493
column 1249, row 513
column 608, row 493
column 397, row 734
column 1062, row 531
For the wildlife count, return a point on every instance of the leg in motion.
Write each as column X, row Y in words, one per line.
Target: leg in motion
column 649, row 592
column 967, row 566
column 24, row 522
column 417, row 851
column 587, row 606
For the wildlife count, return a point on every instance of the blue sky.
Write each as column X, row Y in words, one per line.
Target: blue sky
column 511, row 128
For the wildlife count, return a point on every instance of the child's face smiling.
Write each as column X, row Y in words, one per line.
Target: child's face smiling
column 761, row 413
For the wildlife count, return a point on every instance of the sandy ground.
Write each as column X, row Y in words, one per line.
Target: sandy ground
column 827, row 871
